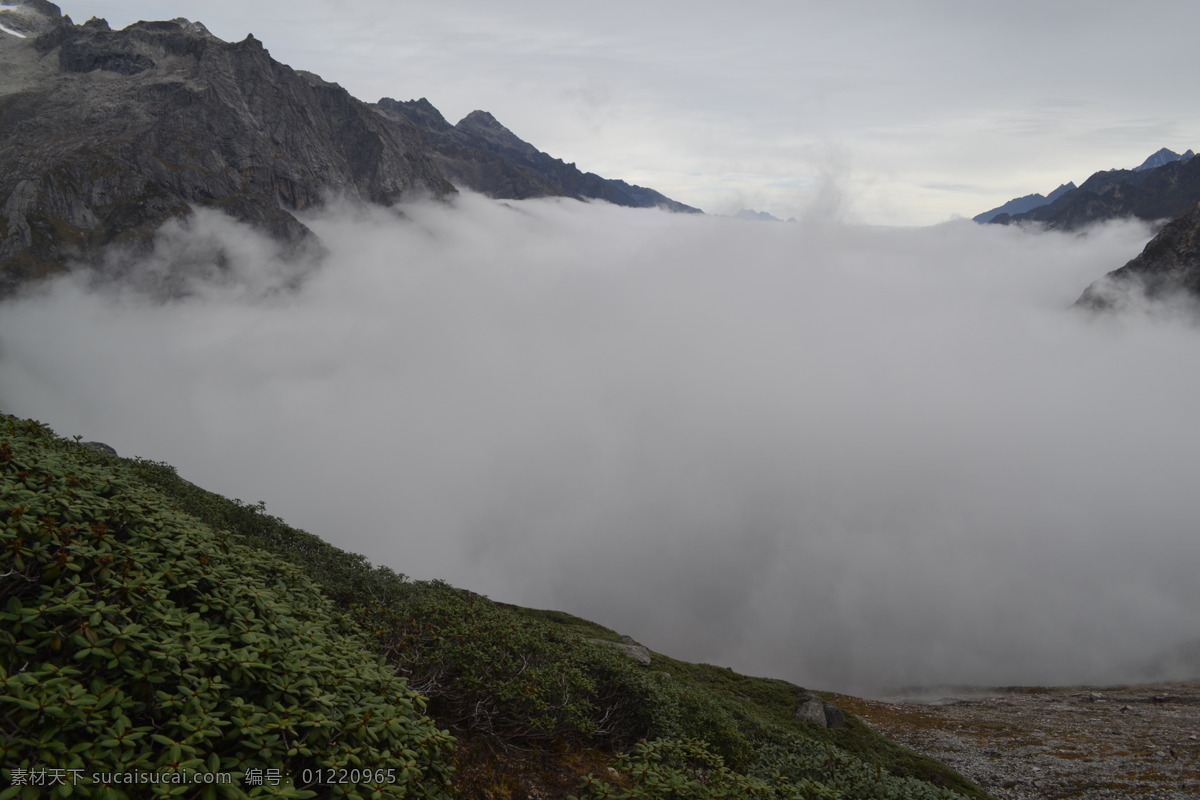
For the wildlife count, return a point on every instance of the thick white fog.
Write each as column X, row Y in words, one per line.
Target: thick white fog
column 851, row 457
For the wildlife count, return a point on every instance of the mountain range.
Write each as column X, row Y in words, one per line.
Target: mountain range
column 1162, row 187
column 482, row 155
column 1163, row 156
column 106, row 135
column 1019, row 205
column 1164, row 190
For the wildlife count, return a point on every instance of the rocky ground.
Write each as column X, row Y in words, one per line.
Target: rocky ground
column 1049, row 743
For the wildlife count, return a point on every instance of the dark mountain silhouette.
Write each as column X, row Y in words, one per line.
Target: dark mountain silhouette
column 1022, row 204
column 1150, row 193
column 482, row 155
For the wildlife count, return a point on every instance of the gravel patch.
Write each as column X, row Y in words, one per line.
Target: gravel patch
column 1084, row 743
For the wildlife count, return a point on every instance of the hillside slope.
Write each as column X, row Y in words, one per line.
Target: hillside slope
column 149, row 626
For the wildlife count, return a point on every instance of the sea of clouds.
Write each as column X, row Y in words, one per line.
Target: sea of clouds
column 853, row 457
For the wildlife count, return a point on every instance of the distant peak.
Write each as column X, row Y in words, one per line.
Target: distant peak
column 421, row 113
column 756, row 216
column 193, row 27
column 1161, row 157
column 485, row 127
column 479, row 118
column 1060, row 191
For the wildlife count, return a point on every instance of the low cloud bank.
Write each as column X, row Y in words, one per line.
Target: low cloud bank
column 851, row 457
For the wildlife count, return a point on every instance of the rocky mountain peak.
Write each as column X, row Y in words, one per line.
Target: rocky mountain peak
column 484, row 126
column 482, row 119
column 28, row 18
column 479, row 153
column 421, row 113
column 1162, row 156
column 108, row 134
column 1019, row 205
column 194, row 27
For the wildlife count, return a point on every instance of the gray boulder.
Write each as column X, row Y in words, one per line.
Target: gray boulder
column 629, row 647
column 818, row 712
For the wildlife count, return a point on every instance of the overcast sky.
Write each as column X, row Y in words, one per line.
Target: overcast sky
column 914, row 112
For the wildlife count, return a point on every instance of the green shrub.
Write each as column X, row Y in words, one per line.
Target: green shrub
column 673, row 769
column 850, row 777
column 134, row 638
column 687, row 769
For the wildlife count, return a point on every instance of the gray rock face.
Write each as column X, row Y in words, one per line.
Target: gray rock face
column 105, row 135
column 26, row 18
column 484, row 156
column 812, row 710
column 1168, row 268
column 818, row 712
column 99, row 447
column 629, row 647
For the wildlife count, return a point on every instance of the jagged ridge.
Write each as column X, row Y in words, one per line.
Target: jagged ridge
column 106, row 135
column 1148, row 193
column 1020, row 205
column 484, row 156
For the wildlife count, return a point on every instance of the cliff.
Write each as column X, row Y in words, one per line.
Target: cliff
column 105, row 135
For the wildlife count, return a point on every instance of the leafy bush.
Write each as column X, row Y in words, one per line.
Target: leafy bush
column 672, row 769
column 675, row 769
column 134, row 638
column 849, row 777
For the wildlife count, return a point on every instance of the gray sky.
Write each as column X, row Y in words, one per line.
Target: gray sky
column 904, row 113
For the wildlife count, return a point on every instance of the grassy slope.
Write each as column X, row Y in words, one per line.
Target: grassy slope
column 533, row 706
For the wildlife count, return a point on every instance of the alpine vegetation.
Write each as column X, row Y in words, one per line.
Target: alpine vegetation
column 160, row 635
